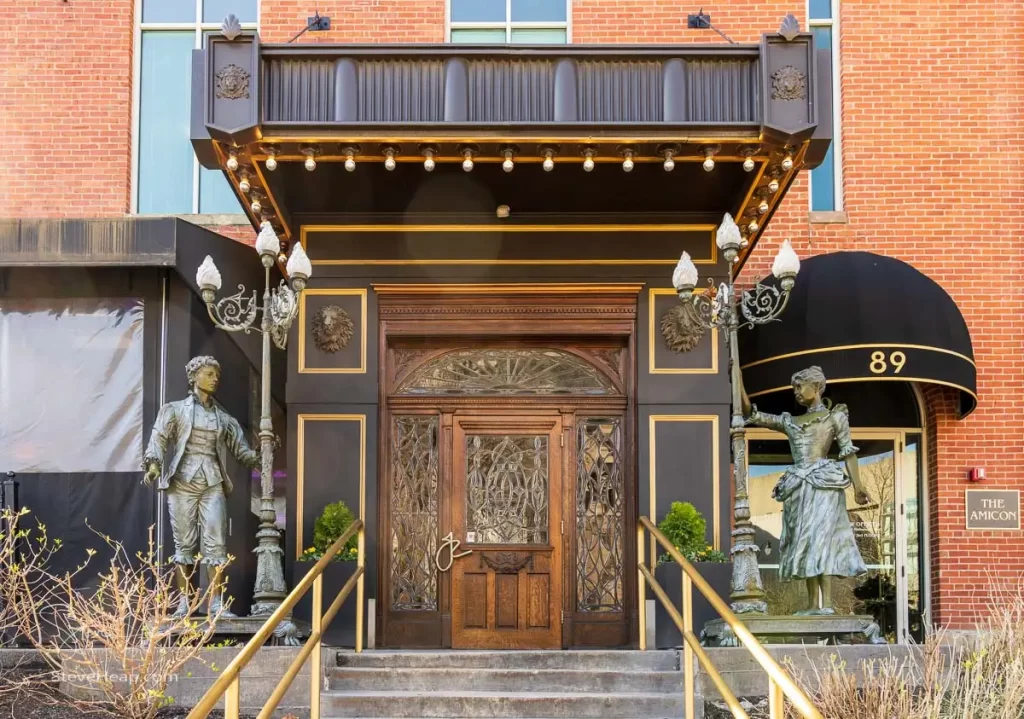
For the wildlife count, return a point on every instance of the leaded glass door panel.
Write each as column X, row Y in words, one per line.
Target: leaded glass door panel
column 507, row 520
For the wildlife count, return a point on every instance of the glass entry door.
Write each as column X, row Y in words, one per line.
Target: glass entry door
column 887, row 530
column 506, row 572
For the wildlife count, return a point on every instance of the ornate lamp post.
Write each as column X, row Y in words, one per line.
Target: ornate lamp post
column 729, row 310
column 237, row 313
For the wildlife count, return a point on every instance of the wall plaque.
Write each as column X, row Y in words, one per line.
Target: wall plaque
column 993, row 509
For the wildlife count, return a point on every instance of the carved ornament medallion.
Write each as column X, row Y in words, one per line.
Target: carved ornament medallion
column 232, row 83
column 788, row 83
column 332, row 328
column 681, row 328
column 506, row 562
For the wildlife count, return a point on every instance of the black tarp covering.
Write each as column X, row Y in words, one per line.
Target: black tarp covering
column 863, row 317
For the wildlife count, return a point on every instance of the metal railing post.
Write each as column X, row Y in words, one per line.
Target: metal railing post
column 315, row 658
column 776, row 700
column 231, row 700
column 688, row 656
column 360, row 588
column 641, row 589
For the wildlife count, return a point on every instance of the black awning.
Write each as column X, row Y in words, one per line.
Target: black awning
column 862, row 318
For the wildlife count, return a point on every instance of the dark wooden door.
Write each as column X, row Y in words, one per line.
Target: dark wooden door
column 506, row 502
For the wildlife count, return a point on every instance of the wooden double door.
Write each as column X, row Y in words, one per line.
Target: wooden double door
column 504, row 552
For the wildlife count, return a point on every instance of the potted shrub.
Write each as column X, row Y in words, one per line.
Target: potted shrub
column 686, row 528
column 329, row 526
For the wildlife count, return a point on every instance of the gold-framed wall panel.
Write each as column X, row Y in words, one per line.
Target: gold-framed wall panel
column 652, row 326
column 712, row 259
column 333, row 292
column 716, row 493
column 300, row 467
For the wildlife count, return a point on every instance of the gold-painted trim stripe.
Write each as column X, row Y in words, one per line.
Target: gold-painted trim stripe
column 716, row 498
column 651, row 365
column 874, row 378
column 333, row 292
column 509, row 288
column 839, row 348
column 300, row 468
column 741, row 138
column 311, row 229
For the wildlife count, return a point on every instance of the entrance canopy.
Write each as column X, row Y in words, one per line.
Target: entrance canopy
column 863, row 317
column 666, row 133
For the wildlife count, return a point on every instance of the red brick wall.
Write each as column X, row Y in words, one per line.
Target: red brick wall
column 933, row 163
column 355, row 21
column 65, row 107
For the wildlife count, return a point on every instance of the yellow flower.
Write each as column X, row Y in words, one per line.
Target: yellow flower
column 311, row 549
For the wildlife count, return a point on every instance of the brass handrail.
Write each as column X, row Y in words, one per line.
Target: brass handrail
column 780, row 684
column 227, row 684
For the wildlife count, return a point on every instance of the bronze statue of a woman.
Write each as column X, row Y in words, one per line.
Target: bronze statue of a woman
column 817, row 541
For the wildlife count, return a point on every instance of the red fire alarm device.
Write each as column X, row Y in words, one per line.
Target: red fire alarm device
column 977, row 474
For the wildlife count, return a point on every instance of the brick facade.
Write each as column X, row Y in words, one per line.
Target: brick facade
column 933, row 164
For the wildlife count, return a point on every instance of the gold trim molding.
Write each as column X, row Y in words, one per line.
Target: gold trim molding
column 652, row 367
column 716, row 493
column 300, row 467
column 524, row 288
column 875, row 378
column 333, row 292
column 882, row 345
column 710, row 229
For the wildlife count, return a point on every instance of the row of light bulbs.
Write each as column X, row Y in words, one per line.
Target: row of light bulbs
column 508, row 164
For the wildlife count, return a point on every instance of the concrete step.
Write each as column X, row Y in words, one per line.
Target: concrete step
column 347, row 679
column 583, row 660
column 471, row 705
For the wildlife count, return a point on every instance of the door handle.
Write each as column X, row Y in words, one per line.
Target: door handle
column 451, row 544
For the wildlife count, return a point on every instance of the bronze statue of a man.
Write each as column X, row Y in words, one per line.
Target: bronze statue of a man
column 187, row 452
column 817, row 541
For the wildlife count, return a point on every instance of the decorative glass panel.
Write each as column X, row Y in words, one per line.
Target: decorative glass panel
column 507, row 489
column 538, row 10
column 478, row 10
column 599, row 514
column 536, row 36
column 482, row 36
column 166, row 158
column 507, row 372
column 413, row 513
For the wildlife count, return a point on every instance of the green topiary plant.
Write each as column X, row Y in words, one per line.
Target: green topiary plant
column 685, row 527
column 329, row 526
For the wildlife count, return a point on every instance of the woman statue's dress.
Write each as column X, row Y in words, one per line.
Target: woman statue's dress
column 817, row 538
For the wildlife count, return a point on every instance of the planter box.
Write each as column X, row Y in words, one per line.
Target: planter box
column 670, row 577
column 342, row 632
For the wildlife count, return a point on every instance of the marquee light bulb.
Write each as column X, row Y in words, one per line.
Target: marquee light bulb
column 244, row 185
column 709, row 162
column 752, row 227
column 670, row 164
column 508, row 165
column 350, row 163
column 763, row 207
column 389, row 160
column 773, row 186
column 588, row 163
column 748, row 165
column 549, row 163
column 627, row 164
column 467, row 164
column 428, row 162
column 256, row 207
column 787, row 163
column 232, row 162
column 271, row 163
column 310, row 163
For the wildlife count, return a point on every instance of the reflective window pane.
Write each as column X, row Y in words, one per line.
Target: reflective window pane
column 217, row 10
column 911, row 480
column 818, row 9
column 823, row 177
column 215, row 193
column 168, row 10
column 538, row 11
column 478, row 10
column 165, row 151
column 488, row 37
column 537, row 37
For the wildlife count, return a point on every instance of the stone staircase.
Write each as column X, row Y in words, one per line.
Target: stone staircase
column 553, row 684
